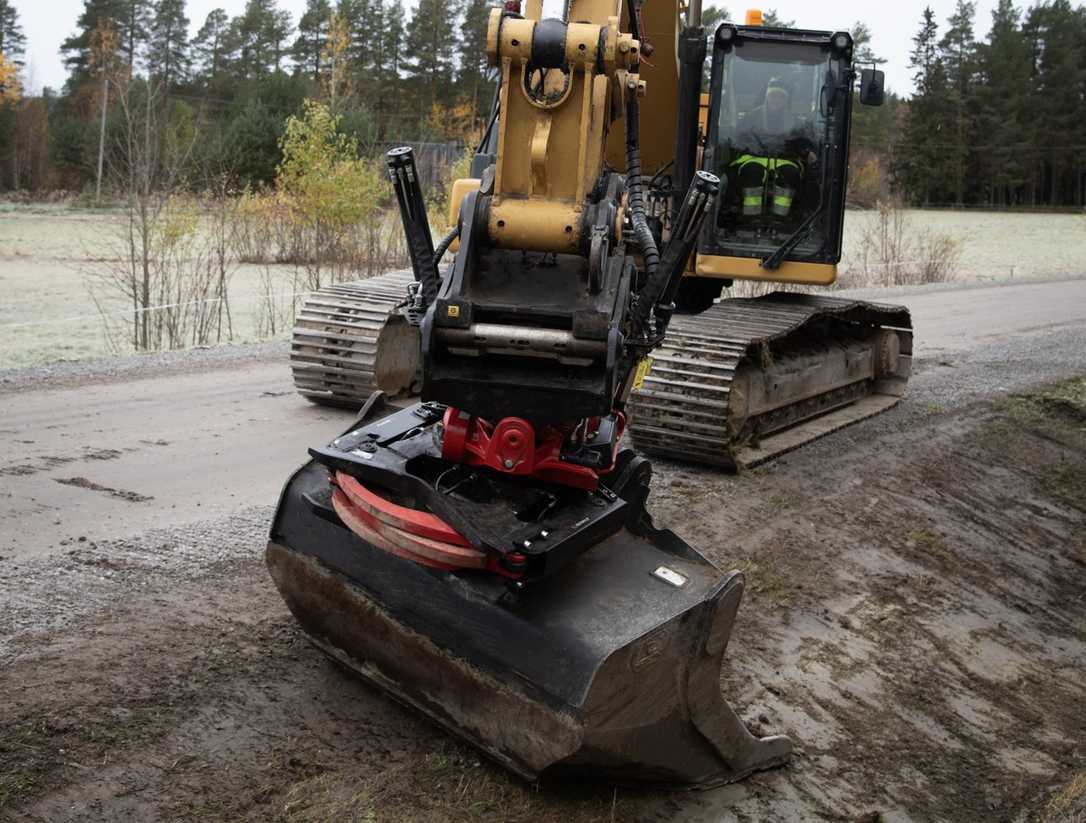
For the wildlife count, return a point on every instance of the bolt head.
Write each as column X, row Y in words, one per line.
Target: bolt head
column 508, row 463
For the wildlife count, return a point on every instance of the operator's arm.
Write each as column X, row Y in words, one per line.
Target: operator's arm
column 801, row 142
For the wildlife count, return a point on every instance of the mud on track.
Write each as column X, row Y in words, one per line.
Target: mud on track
column 915, row 619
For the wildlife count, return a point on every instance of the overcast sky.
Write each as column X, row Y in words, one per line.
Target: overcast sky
column 48, row 22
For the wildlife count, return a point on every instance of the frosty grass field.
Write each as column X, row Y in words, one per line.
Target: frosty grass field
column 47, row 254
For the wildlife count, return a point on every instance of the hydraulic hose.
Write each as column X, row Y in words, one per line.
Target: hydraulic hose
column 635, row 196
column 446, row 241
column 658, row 292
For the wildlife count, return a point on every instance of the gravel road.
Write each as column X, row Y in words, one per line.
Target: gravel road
column 148, row 670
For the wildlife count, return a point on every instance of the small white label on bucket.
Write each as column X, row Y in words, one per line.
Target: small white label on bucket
column 670, row 576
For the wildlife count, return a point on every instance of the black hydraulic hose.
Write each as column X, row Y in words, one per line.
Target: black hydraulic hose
column 635, row 197
column 635, row 20
column 658, row 293
column 446, row 241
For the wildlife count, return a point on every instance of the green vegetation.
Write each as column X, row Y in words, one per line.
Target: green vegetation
column 384, row 75
column 993, row 122
column 1068, row 804
column 1066, row 400
column 997, row 122
column 931, row 544
column 765, row 578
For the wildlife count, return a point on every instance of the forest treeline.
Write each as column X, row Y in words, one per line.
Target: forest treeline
column 386, row 73
column 998, row 121
column 995, row 121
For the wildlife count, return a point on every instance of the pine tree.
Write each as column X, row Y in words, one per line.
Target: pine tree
column 473, row 60
column 77, row 48
column 312, row 36
column 391, row 54
column 711, row 18
column 872, row 126
column 957, row 46
column 771, row 19
column 1004, row 70
column 251, row 36
column 133, row 22
column 280, row 27
column 127, row 17
column 168, row 53
column 209, row 47
column 1058, row 35
column 431, row 42
column 360, row 31
column 957, row 52
column 374, row 58
column 924, row 49
column 12, row 38
column 921, row 162
column 862, row 52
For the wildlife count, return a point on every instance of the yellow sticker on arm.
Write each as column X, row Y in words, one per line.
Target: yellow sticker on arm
column 643, row 369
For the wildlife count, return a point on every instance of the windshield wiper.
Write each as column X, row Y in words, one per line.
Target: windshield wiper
column 774, row 260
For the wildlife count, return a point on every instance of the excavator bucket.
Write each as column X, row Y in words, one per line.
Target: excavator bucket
column 609, row 668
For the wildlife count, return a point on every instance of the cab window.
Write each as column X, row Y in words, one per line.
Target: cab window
column 770, row 112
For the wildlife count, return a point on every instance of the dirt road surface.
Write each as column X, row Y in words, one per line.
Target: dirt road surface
column 915, row 617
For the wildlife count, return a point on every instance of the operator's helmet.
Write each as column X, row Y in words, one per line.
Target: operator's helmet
column 777, row 88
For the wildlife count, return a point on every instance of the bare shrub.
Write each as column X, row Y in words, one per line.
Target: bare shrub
column 172, row 255
column 865, row 186
column 277, row 300
column 892, row 252
column 162, row 265
column 263, row 233
column 177, row 283
column 220, row 207
column 938, row 255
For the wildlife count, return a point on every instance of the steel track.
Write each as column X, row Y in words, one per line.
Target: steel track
column 684, row 409
column 335, row 355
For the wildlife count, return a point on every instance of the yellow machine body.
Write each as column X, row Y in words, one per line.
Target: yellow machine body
column 540, row 185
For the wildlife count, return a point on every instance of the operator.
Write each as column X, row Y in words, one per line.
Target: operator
column 773, row 142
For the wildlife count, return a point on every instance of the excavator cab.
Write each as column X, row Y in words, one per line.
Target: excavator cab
column 778, row 133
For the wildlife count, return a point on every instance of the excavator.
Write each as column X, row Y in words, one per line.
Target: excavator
column 477, row 544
